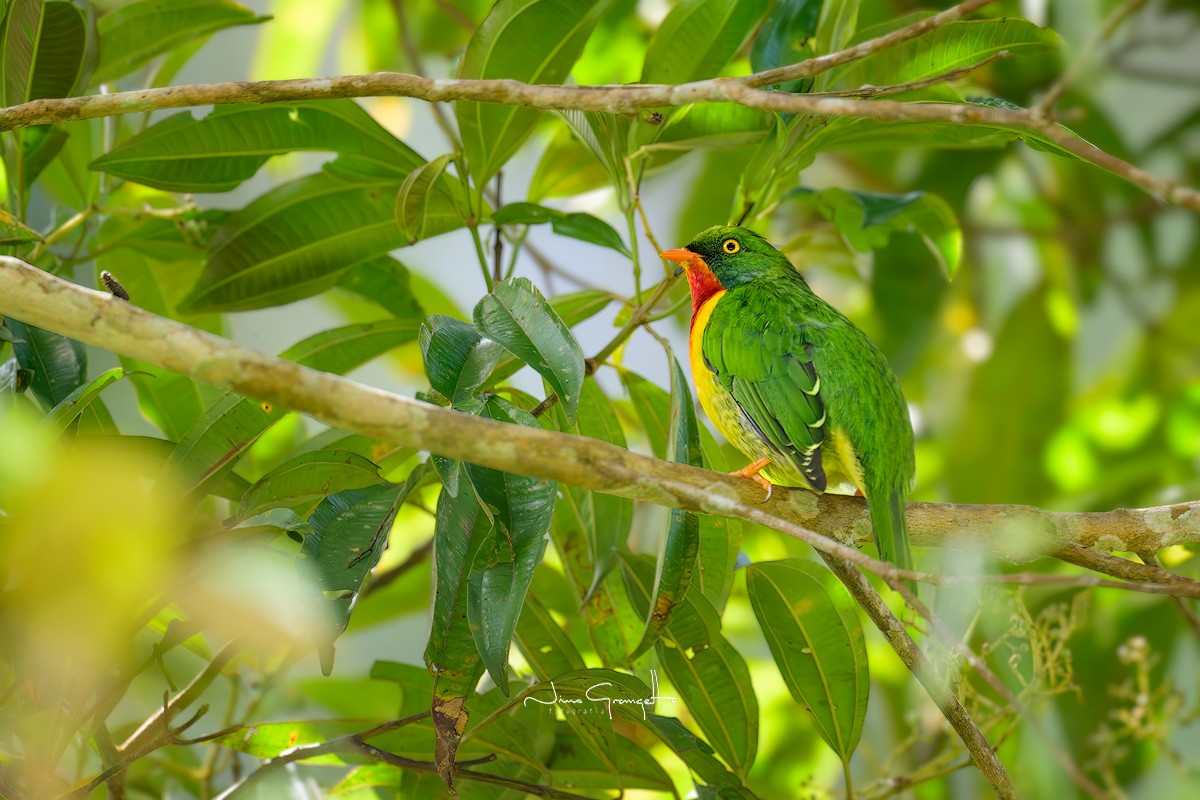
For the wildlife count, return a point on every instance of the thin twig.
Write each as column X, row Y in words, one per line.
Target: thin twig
column 1044, row 110
column 951, row 640
column 1185, row 610
column 897, row 636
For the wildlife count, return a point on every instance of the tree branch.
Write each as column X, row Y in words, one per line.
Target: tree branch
column 96, row 318
column 625, row 99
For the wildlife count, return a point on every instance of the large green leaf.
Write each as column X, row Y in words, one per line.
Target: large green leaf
column 58, row 364
column 413, row 199
column 515, row 314
column 868, row 219
column 225, row 148
column 712, row 779
column 632, row 766
column 707, row 671
column 387, row 283
column 835, row 25
column 296, row 241
column 584, row 227
column 234, row 423
column 300, row 482
column 954, row 46
column 77, row 402
column 604, row 519
column 535, row 41
column 812, row 627
column 133, row 34
column 45, row 50
column 785, row 38
column 350, row 532
column 521, row 509
column 698, row 38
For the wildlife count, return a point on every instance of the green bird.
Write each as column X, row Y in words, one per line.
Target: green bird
column 793, row 384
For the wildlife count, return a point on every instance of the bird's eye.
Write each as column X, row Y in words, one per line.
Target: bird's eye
column 730, row 246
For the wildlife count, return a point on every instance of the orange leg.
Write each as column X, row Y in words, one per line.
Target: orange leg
column 752, row 471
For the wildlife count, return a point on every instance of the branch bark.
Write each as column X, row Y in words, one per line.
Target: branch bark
column 625, row 99
column 1011, row 531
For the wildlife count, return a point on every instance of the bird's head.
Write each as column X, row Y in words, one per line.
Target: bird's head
column 725, row 257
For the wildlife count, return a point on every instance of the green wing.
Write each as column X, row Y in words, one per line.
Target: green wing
column 767, row 366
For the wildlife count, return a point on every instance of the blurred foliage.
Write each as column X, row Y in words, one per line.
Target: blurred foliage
column 167, row 576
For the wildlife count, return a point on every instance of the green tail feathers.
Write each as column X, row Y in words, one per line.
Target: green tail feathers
column 889, row 526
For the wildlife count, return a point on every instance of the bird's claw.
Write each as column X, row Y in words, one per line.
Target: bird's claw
column 753, row 472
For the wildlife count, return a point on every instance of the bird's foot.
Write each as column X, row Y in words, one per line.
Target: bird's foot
column 752, row 471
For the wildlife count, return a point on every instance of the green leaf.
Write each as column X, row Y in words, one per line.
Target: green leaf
column 296, row 241
column 867, row 220
column 692, row 750
column 300, row 482
column 277, row 520
column 349, row 534
column 268, row 739
column 457, row 360
column 784, row 38
column 604, row 519
column 44, row 50
column 133, row 34
column 815, row 635
column 953, row 46
column 387, row 283
column 546, row 647
column 584, row 227
column 521, row 509
column 516, row 315
column 234, row 423
column 13, row 231
column 58, row 364
column 535, row 41
column 836, row 25
column 225, row 148
column 412, row 201
column 74, row 404
column 677, row 561
column 698, row 38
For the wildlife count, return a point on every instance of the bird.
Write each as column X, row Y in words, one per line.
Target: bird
column 793, row 384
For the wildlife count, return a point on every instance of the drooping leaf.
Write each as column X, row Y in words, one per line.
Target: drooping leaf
column 296, row 241
column 535, row 41
column 413, row 199
column 812, row 627
column 133, row 34
column 349, row 534
column 387, row 283
column 516, row 315
column 521, row 509
column 45, row 50
column 300, row 482
column 698, row 37
column 74, row 404
column 58, row 364
column 584, row 227
column 225, row 148
column 868, row 219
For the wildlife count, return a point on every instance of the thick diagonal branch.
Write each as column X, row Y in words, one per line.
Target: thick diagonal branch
column 1015, row 532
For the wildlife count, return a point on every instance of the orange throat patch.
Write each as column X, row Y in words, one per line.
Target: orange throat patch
column 703, row 284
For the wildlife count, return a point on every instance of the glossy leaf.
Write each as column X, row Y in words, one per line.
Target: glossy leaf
column 296, row 241
column 387, row 283
column 521, row 509
column 225, row 148
column 413, row 199
column 58, row 364
column 74, row 404
column 534, row 41
column 812, row 627
column 133, row 34
column 605, row 520
column 698, row 38
column 867, row 220
column 584, row 227
column 457, row 360
column 785, row 38
column 44, row 51
column 300, row 482
column 349, row 534
column 516, row 315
